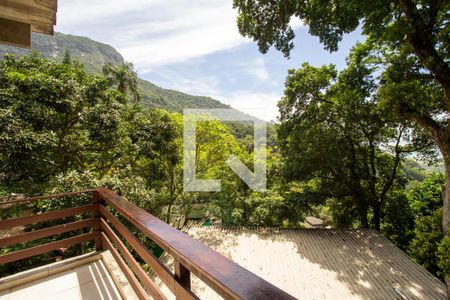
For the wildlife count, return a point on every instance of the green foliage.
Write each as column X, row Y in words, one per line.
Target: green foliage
column 67, row 58
column 124, row 182
column 268, row 22
column 398, row 220
column 407, row 49
column 424, row 247
column 45, row 113
column 64, row 129
column 333, row 132
column 422, row 205
column 344, row 212
column 443, row 256
column 123, row 77
column 260, row 209
column 343, row 150
column 426, row 196
column 95, row 56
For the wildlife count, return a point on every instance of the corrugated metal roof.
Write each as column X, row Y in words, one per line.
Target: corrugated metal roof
column 322, row 263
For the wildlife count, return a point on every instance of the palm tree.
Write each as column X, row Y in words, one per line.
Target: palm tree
column 124, row 77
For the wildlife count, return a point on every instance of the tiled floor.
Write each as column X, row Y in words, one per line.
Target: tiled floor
column 91, row 281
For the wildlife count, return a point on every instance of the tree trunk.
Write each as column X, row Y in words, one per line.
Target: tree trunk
column 362, row 211
column 446, row 208
column 377, row 215
column 441, row 136
column 169, row 207
column 442, row 139
column 363, row 219
column 446, row 200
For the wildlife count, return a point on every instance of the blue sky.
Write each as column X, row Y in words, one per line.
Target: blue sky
column 195, row 47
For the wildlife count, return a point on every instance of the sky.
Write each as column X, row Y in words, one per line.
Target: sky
column 195, row 47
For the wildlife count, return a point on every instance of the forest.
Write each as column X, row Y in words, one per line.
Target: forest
column 347, row 162
column 362, row 147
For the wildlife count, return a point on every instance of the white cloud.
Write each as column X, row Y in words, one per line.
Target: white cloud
column 296, row 23
column 257, row 68
column 201, row 85
column 77, row 13
column 154, row 33
column 260, row 105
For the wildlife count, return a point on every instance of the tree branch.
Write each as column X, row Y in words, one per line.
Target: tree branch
column 421, row 40
column 425, row 121
column 397, row 158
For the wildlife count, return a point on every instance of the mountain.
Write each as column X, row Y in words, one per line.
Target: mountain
column 91, row 53
column 155, row 96
column 94, row 55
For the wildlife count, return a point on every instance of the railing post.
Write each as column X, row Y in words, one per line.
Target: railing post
column 97, row 199
column 243, row 285
column 182, row 275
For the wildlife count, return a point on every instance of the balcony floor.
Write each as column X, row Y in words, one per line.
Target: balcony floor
column 83, row 280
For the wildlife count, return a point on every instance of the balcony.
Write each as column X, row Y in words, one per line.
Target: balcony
column 113, row 269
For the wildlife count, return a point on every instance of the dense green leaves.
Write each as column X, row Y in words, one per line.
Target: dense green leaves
column 93, row 55
column 341, row 156
column 407, row 54
column 269, row 22
column 332, row 131
column 44, row 111
column 123, row 77
column 64, row 129
column 426, row 196
column 428, row 236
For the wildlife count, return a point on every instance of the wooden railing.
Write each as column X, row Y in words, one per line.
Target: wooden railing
column 190, row 256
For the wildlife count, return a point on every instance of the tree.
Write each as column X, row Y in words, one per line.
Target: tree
column 156, row 138
column 62, row 129
column 44, row 115
column 67, row 59
column 428, row 247
column 426, row 196
column 332, row 130
column 124, row 78
column 398, row 219
column 425, row 245
column 108, row 139
column 214, row 144
column 414, row 31
column 259, row 209
column 420, row 28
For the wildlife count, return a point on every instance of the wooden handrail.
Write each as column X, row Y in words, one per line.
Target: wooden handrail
column 226, row 277
column 46, row 232
column 157, row 266
column 33, row 251
column 67, row 212
column 136, row 268
column 52, row 196
column 107, row 245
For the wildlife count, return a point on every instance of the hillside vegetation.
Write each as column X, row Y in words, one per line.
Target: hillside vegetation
column 94, row 55
column 338, row 153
